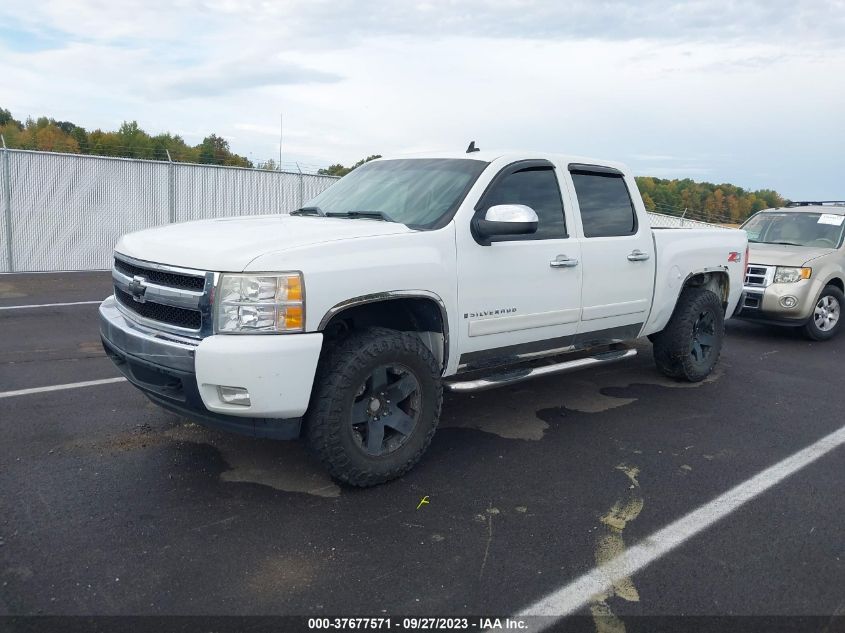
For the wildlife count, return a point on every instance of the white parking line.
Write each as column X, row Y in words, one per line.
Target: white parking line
column 71, row 385
column 50, row 305
column 572, row 597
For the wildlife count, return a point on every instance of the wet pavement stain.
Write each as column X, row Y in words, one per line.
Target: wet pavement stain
column 284, row 466
column 282, row 573
column 10, row 291
column 609, row 547
column 517, row 427
column 93, row 348
column 504, row 412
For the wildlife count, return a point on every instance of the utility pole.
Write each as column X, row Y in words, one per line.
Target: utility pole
column 281, row 132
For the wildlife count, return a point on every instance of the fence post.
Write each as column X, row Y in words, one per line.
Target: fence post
column 301, row 201
column 171, row 185
column 7, row 204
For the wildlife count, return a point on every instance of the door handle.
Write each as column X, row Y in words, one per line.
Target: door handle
column 637, row 256
column 562, row 261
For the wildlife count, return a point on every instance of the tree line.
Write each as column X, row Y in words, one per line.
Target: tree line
column 129, row 141
column 719, row 203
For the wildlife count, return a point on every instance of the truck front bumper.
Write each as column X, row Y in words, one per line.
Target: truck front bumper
column 183, row 375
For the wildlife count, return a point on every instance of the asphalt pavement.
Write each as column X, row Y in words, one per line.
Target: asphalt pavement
column 111, row 506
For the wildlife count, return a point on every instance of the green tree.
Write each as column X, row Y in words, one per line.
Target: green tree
column 339, row 170
column 214, row 150
column 7, row 118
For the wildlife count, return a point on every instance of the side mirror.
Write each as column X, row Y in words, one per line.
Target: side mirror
column 505, row 219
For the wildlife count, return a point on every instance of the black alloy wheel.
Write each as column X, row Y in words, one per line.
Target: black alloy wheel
column 386, row 410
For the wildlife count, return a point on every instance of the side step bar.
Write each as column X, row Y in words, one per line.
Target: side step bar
column 511, row 376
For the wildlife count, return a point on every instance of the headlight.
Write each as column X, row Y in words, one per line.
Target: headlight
column 785, row 275
column 259, row 303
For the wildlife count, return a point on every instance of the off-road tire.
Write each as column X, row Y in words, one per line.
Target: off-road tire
column 675, row 347
column 340, row 373
column 811, row 330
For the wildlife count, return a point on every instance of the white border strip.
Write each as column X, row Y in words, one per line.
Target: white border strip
column 72, row 385
column 50, row 305
column 572, row 597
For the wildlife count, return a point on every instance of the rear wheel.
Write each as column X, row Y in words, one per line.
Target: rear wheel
column 375, row 406
column 826, row 318
column 689, row 347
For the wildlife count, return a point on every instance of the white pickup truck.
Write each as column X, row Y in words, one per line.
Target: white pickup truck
column 344, row 321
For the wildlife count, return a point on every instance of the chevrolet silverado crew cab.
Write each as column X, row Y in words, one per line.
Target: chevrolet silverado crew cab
column 796, row 272
column 345, row 320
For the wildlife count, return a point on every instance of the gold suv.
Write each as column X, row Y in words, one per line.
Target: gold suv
column 796, row 269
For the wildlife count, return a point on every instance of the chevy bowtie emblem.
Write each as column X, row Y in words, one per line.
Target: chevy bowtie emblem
column 137, row 288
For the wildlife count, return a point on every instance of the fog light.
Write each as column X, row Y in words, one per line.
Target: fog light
column 788, row 302
column 234, row 395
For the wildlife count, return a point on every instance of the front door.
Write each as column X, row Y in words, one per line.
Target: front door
column 519, row 296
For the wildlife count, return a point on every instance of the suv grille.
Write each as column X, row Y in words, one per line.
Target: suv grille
column 171, row 315
column 756, row 276
column 161, row 277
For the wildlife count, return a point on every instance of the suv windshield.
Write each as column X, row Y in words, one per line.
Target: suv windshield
column 422, row 193
column 795, row 228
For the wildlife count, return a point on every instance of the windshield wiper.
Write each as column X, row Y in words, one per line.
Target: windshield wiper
column 787, row 243
column 378, row 215
column 309, row 211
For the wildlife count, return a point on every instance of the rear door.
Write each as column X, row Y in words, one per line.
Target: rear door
column 520, row 295
column 617, row 254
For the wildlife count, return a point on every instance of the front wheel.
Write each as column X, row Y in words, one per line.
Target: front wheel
column 375, row 406
column 691, row 342
column 826, row 319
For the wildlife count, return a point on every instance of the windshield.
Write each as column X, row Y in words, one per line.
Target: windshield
column 822, row 230
column 418, row 192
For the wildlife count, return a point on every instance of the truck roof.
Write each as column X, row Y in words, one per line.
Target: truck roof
column 489, row 156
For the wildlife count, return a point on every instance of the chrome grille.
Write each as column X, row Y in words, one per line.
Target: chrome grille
column 167, row 298
column 179, row 317
column 758, row 276
column 161, row 277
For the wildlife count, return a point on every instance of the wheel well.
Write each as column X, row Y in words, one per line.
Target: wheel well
column 420, row 315
column 837, row 283
column 716, row 282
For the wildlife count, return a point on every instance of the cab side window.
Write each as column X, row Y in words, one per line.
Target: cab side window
column 538, row 188
column 606, row 206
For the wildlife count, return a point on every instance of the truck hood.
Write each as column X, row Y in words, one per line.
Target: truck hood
column 229, row 244
column 784, row 255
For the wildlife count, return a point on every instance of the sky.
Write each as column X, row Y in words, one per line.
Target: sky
column 751, row 93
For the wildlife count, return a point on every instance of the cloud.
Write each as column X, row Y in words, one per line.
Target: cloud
column 221, row 79
column 340, row 23
column 724, row 89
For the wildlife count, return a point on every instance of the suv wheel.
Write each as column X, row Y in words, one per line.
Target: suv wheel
column 375, row 406
column 826, row 319
column 689, row 346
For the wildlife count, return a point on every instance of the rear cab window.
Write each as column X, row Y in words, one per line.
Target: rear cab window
column 607, row 209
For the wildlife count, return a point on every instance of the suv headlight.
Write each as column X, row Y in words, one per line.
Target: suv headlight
column 788, row 275
column 262, row 303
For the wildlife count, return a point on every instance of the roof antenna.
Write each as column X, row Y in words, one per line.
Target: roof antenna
column 472, row 148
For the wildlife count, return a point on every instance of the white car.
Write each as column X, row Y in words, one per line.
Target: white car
column 345, row 320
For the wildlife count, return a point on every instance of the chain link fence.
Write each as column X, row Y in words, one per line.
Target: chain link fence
column 661, row 220
column 67, row 211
